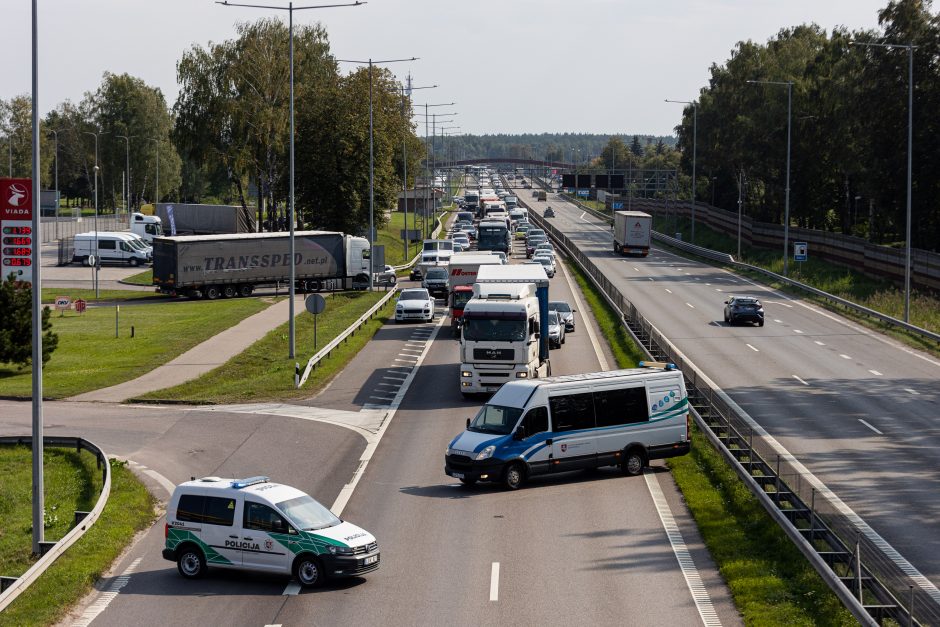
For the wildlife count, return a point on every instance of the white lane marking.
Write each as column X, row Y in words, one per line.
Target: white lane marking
column 800, row 380
column 650, row 278
column 690, row 305
column 581, row 216
column 292, row 589
column 383, row 398
column 601, row 358
column 870, row 427
column 844, row 356
column 778, row 321
column 373, row 440
column 410, row 350
column 635, row 268
column 752, row 348
column 693, row 579
column 669, row 290
column 819, row 343
column 797, row 331
column 876, row 373
column 718, row 289
column 165, row 483
column 708, row 284
column 405, row 361
column 415, row 344
column 912, row 391
column 104, row 599
column 494, row 582
column 389, row 385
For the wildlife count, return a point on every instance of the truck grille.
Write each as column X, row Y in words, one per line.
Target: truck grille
column 483, row 354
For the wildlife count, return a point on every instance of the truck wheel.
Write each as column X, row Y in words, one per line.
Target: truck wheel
column 133, row 262
column 229, row 291
column 244, row 291
column 211, row 292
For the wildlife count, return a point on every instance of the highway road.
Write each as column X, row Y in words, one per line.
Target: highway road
column 855, row 407
column 581, row 547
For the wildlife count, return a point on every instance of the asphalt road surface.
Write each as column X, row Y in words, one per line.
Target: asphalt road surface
column 855, row 407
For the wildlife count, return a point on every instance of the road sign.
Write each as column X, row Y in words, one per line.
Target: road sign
column 616, row 204
column 800, row 251
column 315, row 304
column 62, row 302
column 584, row 193
column 80, row 305
column 16, row 223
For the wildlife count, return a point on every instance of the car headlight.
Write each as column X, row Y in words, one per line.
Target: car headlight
column 486, row 453
column 341, row 550
column 522, row 375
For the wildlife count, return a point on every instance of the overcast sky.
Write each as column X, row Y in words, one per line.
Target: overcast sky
column 513, row 66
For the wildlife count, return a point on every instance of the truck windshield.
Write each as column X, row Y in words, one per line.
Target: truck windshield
column 495, row 419
column 307, row 514
column 461, row 299
column 494, row 330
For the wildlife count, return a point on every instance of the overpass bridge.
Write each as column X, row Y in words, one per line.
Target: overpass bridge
column 525, row 163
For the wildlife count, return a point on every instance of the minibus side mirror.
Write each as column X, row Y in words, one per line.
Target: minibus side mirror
column 468, row 423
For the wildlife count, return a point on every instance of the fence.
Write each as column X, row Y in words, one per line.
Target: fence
column 63, row 228
column 871, row 580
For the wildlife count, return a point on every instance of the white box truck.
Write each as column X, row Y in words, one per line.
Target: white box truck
column 632, row 231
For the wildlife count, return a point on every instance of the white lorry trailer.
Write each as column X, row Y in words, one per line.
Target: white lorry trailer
column 505, row 328
column 632, row 231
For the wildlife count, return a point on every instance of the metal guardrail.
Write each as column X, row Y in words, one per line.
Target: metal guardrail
column 324, row 352
column 714, row 255
column 870, row 579
column 82, row 524
column 434, row 234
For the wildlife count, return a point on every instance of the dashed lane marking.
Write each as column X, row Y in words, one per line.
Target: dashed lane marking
column 690, row 305
column 844, row 356
column 752, row 348
column 668, row 290
column 104, row 599
column 870, row 427
column 912, row 391
column 800, row 380
column 494, row 582
column 876, row 373
column 817, row 342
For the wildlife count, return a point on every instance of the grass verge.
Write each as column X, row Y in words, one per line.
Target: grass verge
column 130, row 508
column 770, row 580
column 264, row 372
column 89, row 356
column 389, row 236
column 143, row 278
column 49, row 294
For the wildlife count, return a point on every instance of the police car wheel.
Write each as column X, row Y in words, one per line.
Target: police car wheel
column 191, row 563
column 308, row 571
column 633, row 463
column 514, row 476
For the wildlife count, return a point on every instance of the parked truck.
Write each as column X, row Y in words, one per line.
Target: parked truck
column 632, row 231
column 210, row 266
column 148, row 227
column 187, row 219
column 505, row 328
column 462, row 273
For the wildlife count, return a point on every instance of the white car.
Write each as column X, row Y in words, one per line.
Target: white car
column 414, row 304
column 547, row 262
column 463, row 238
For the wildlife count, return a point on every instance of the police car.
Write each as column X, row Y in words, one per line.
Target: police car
column 254, row 524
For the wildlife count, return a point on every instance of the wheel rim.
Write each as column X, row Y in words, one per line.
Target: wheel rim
column 308, row 572
column 514, row 476
column 190, row 563
column 634, row 464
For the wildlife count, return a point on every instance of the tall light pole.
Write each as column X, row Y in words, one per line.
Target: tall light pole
column 406, row 91
column 427, row 153
column 290, row 8
column 370, row 63
column 156, row 187
column 38, row 488
column 910, row 142
column 55, row 134
column 127, row 170
column 97, row 263
column 786, row 211
column 694, row 105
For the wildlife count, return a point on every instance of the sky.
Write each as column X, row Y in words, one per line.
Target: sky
column 511, row 66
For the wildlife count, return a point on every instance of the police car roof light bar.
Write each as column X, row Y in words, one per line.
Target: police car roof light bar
column 657, row 364
column 244, row 483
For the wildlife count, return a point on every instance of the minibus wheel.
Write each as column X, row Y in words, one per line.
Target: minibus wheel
column 514, row 476
column 633, row 462
column 308, row 571
column 190, row 562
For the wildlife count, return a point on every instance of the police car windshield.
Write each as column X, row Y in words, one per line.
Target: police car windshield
column 495, row 419
column 307, row 514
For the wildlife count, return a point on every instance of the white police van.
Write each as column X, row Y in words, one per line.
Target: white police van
column 619, row 418
column 253, row 524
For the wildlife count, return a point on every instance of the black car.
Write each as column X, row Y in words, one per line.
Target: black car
column 549, row 213
column 744, row 309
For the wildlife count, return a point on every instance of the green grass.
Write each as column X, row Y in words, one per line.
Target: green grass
column 144, row 278
column 130, row 508
column 49, row 295
column 770, row 580
column 838, row 280
column 89, row 357
column 389, row 236
column 264, row 372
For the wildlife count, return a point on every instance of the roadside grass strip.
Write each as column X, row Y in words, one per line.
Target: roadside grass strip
column 89, row 356
column 72, row 482
column 265, row 372
column 49, row 294
column 770, row 580
column 143, row 278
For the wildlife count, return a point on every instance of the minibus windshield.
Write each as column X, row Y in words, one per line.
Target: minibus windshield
column 308, row 514
column 495, row 419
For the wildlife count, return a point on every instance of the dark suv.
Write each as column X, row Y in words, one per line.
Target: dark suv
column 744, row 309
column 435, row 281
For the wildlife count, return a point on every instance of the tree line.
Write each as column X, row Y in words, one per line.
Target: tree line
column 848, row 128
column 578, row 148
column 226, row 138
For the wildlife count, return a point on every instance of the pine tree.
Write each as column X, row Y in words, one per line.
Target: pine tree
column 16, row 324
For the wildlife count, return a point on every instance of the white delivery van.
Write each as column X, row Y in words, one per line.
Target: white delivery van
column 254, row 524
column 112, row 247
column 531, row 427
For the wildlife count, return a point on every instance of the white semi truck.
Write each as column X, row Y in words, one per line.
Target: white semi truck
column 632, row 231
column 505, row 328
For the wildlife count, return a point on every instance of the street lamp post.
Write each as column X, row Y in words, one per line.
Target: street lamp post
column 404, row 157
column 290, row 8
column 156, row 187
column 694, row 104
column 370, row 63
column 786, row 211
column 127, row 170
column 910, row 141
column 427, row 158
column 97, row 263
column 55, row 134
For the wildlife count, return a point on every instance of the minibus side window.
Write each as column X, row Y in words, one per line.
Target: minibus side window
column 263, row 518
column 620, row 406
column 572, row 412
column 536, row 421
column 211, row 510
column 106, row 244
